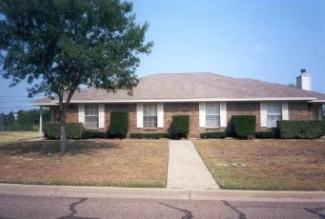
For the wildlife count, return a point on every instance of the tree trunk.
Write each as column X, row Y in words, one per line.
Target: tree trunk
column 62, row 113
column 63, row 145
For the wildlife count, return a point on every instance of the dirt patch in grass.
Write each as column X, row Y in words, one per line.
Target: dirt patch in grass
column 136, row 163
column 265, row 164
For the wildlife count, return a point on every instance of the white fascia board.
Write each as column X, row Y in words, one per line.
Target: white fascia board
column 318, row 101
column 44, row 104
column 197, row 100
column 312, row 99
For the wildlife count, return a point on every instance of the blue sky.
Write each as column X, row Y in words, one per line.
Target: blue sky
column 265, row 40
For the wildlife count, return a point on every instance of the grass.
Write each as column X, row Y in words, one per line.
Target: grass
column 122, row 163
column 15, row 136
column 265, row 164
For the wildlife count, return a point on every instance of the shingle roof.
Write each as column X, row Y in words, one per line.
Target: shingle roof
column 194, row 87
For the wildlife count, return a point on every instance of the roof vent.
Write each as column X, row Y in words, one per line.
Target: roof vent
column 304, row 80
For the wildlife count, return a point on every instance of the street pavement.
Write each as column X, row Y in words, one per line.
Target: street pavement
column 35, row 207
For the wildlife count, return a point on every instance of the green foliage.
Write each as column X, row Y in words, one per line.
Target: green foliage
column 266, row 135
column 301, row 129
column 68, row 43
column 9, row 122
column 52, row 130
column 88, row 134
column 213, row 135
column 180, row 126
column 27, row 120
column 119, row 125
column 57, row 46
column 244, row 125
column 149, row 135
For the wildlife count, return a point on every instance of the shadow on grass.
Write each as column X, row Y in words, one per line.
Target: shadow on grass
column 50, row 148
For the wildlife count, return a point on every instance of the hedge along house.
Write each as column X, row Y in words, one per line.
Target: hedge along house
column 209, row 99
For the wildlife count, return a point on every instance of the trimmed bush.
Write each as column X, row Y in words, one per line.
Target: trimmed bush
column 266, row 135
column 119, row 126
column 88, row 134
column 149, row 135
column 301, row 129
column 52, row 130
column 180, row 126
column 244, row 125
column 213, row 135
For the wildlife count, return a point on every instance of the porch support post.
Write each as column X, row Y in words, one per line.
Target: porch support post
column 40, row 122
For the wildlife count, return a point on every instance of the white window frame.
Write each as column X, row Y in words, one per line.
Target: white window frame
column 284, row 114
column 222, row 114
column 101, row 115
column 140, row 115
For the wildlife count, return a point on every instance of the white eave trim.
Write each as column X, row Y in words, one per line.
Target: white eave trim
column 318, row 101
column 312, row 99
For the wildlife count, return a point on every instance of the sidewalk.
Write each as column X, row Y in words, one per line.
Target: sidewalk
column 186, row 169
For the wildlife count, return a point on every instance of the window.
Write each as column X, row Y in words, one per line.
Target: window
column 274, row 113
column 212, row 115
column 91, row 116
column 150, row 115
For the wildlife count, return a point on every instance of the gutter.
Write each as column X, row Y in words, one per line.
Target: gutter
column 309, row 99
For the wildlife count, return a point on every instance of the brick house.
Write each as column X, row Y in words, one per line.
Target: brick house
column 210, row 100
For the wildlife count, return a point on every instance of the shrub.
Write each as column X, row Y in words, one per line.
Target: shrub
column 149, row 135
column 266, row 135
column 87, row 134
column 119, row 126
column 213, row 135
column 244, row 126
column 180, row 126
column 301, row 129
column 52, row 130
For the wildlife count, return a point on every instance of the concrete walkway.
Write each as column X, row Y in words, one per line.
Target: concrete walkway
column 186, row 169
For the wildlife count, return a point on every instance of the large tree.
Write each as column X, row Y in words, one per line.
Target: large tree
column 58, row 45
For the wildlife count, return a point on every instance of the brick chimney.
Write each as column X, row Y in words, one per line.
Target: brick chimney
column 304, row 80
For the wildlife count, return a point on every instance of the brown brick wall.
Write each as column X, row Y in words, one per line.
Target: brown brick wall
column 170, row 109
column 297, row 111
column 72, row 114
column 302, row 111
column 244, row 108
column 131, row 108
column 191, row 109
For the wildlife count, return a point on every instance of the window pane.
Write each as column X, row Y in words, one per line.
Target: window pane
column 150, row 110
column 274, row 108
column 91, row 122
column 212, row 112
column 150, row 115
column 271, row 120
column 91, row 116
column 212, row 109
column 213, row 121
column 274, row 113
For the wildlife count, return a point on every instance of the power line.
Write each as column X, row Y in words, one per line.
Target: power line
column 19, row 101
column 16, row 107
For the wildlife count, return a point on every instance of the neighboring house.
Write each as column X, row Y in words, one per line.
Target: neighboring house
column 209, row 99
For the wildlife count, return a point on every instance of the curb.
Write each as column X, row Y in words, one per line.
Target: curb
column 152, row 193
